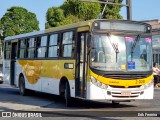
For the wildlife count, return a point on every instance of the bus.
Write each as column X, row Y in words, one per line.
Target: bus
column 93, row 60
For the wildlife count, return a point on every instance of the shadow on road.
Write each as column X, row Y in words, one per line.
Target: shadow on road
column 43, row 100
column 80, row 103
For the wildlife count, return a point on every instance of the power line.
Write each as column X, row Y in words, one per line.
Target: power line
column 105, row 2
column 110, row 2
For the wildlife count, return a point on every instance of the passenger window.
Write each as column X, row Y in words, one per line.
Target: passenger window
column 7, row 50
column 68, row 44
column 31, row 48
column 41, row 46
column 22, row 48
column 53, row 46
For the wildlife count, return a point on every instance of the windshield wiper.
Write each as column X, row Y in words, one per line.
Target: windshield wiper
column 115, row 47
column 134, row 45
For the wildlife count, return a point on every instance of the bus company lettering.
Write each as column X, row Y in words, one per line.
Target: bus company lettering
column 115, row 82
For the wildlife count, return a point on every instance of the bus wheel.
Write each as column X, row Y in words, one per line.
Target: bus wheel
column 67, row 95
column 22, row 86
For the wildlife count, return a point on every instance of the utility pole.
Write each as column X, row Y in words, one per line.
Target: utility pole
column 129, row 9
column 110, row 2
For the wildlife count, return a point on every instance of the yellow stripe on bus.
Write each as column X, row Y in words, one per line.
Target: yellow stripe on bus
column 121, row 82
column 80, row 29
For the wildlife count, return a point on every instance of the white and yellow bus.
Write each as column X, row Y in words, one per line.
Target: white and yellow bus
column 93, row 60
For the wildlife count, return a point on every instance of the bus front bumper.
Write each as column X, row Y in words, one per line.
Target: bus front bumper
column 95, row 92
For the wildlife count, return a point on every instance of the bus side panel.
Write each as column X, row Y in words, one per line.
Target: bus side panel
column 66, row 68
column 50, row 85
column 6, row 71
column 31, row 72
column 18, row 70
column 45, row 75
column 48, row 76
column 52, row 72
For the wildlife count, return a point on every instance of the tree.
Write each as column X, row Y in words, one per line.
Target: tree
column 69, row 19
column 73, row 11
column 81, row 11
column 84, row 10
column 18, row 20
column 54, row 16
column 112, row 11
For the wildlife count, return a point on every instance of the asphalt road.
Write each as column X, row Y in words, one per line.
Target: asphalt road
column 52, row 106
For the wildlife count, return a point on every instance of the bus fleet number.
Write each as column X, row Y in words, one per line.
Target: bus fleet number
column 140, row 81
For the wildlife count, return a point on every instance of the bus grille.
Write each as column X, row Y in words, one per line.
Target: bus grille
column 125, row 76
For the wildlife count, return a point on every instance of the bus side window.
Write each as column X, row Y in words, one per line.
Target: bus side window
column 7, row 50
column 53, row 49
column 68, row 44
column 22, row 48
column 31, row 48
column 41, row 44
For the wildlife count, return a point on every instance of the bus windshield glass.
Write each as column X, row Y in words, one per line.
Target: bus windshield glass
column 121, row 53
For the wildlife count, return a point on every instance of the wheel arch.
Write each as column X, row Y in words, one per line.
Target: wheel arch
column 62, row 84
column 20, row 75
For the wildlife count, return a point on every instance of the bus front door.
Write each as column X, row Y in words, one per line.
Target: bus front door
column 81, row 65
column 13, row 60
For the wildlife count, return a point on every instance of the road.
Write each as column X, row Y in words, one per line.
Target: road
column 54, row 106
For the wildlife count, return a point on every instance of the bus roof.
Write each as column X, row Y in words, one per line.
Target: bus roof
column 64, row 27
column 53, row 29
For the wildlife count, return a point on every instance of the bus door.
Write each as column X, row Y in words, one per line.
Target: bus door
column 13, row 62
column 81, row 65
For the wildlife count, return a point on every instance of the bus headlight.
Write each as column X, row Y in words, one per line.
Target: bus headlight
column 147, row 85
column 93, row 80
column 98, row 83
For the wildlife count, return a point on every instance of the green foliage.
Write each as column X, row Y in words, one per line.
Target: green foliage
column 112, row 11
column 84, row 10
column 75, row 10
column 54, row 16
column 70, row 7
column 18, row 20
column 71, row 11
column 69, row 19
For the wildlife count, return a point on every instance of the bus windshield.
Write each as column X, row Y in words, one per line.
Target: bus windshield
column 121, row 53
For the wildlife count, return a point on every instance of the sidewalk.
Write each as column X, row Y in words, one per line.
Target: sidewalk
column 157, row 88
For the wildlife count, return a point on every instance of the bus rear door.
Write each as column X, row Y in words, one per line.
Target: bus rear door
column 13, row 61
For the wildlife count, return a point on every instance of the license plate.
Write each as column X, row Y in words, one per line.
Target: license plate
column 126, row 93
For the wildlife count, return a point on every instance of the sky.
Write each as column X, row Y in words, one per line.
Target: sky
column 141, row 9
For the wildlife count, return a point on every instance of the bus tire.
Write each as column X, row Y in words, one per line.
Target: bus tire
column 67, row 95
column 22, row 88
